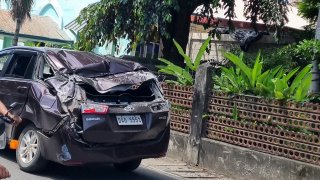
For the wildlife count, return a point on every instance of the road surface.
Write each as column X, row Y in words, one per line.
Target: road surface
column 56, row 171
column 151, row 169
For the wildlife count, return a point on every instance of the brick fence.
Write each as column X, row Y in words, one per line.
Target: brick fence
column 279, row 128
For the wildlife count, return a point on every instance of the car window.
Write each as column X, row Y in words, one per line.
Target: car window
column 47, row 71
column 3, row 59
column 21, row 66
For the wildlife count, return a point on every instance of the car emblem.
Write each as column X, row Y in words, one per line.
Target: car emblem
column 129, row 108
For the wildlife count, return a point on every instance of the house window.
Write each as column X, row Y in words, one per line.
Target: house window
column 148, row 50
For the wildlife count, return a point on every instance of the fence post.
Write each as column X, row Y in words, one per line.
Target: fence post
column 202, row 88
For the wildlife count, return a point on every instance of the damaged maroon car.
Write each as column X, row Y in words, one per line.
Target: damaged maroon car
column 79, row 108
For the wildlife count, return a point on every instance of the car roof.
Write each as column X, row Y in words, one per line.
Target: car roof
column 63, row 58
column 38, row 49
column 70, row 60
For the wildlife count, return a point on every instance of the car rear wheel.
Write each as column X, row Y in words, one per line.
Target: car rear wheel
column 128, row 166
column 28, row 153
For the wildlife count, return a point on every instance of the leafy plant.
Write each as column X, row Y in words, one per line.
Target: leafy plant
column 251, row 77
column 230, row 80
column 309, row 9
column 145, row 20
column 183, row 75
column 307, row 49
column 235, row 113
column 274, row 82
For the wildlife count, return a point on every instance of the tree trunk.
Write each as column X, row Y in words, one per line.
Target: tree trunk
column 16, row 33
column 179, row 30
column 315, row 85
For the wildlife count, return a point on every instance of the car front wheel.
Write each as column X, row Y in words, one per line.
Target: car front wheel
column 28, row 153
column 128, row 166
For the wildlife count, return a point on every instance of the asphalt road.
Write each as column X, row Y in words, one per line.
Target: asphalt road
column 56, row 171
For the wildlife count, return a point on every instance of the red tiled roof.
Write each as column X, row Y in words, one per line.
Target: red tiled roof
column 39, row 26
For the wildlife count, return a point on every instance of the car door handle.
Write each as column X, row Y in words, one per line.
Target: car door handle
column 22, row 89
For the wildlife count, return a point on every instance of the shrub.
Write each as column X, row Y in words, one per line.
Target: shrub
column 270, row 83
column 289, row 56
column 184, row 75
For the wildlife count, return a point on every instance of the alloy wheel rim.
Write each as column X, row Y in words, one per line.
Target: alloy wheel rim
column 29, row 146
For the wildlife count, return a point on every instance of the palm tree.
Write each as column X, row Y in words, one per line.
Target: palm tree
column 20, row 11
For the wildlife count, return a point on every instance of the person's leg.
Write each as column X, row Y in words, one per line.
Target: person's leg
column 4, row 173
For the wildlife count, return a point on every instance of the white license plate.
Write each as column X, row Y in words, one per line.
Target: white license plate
column 129, row 120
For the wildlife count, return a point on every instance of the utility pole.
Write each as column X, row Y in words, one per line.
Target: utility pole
column 315, row 85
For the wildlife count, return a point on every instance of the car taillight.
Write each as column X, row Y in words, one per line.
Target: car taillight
column 159, row 107
column 94, row 109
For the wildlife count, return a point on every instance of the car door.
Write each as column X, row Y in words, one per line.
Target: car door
column 15, row 80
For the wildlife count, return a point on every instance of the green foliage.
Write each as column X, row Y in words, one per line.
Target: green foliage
column 145, row 20
column 48, row 44
column 272, row 57
column 108, row 20
column 308, row 49
column 230, row 81
column 274, row 82
column 235, row 113
column 309, row 9
column 183, row 75
column 289, row 56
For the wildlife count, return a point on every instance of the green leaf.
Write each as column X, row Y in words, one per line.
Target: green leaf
column 239, row 63
column 263, row 76
column 280, row 86
column 187, row 59
column 235, row 114
column 297, row 80
column 302, row 90
column 264, row 90
column 290, row 74
column 182, row 75
column 165, row 61
column 275, row 70
column 230, row 76
column 167, row 71
column 280, row 73
column 201, row 52
column 279, row 95
column 256, row 70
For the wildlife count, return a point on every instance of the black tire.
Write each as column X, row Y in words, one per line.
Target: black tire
column 128, row 166
column 37, row 163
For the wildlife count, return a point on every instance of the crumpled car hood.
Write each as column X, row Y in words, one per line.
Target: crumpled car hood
column 108, row 83
column 88, row 64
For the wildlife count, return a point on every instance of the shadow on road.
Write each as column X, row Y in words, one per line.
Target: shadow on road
column 57, row 171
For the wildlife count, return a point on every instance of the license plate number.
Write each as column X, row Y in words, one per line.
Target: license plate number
column 129, row 120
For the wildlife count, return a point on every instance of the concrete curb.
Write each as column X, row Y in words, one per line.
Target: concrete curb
column 242, row 163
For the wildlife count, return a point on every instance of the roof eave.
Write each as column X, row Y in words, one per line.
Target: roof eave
column 62, row 41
